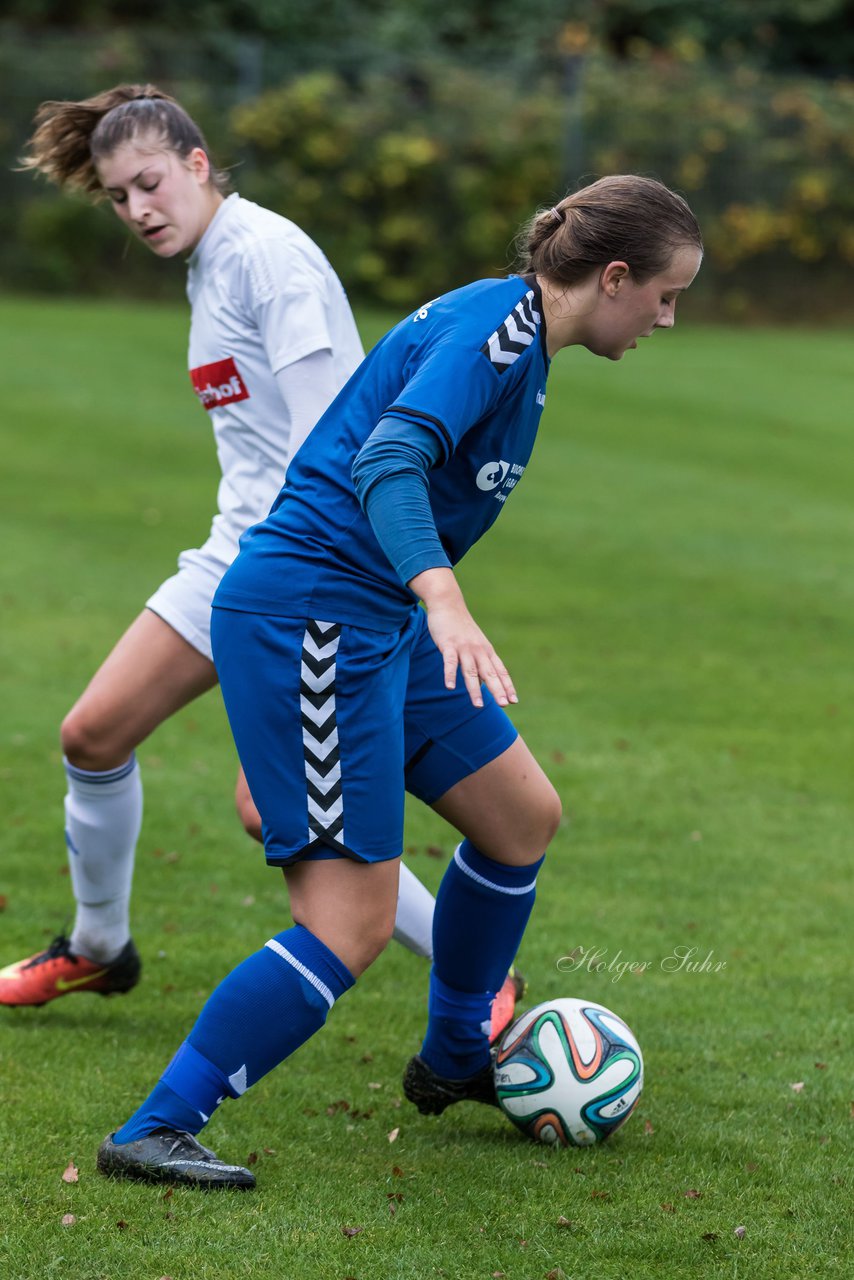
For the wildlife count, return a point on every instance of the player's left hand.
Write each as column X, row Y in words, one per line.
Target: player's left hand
column 459, row 639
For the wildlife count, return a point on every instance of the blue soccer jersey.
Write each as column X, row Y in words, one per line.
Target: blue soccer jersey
column 471, row 366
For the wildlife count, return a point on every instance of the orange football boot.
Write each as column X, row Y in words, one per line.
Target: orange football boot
column 57, row 971
column 504, row 1004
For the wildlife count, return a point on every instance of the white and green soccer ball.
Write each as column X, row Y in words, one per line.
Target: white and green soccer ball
column 568, row 1072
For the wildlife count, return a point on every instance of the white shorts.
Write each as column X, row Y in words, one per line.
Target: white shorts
column 184, row 600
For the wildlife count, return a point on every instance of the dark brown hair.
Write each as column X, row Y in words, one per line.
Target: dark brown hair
column 70, row 136
column 624, row 218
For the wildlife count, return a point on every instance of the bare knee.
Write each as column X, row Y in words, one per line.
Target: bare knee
column 369, row 944
column 551, row 812
column 246, row 808
column 357, row 948
column 90, row 742
column 526, row 839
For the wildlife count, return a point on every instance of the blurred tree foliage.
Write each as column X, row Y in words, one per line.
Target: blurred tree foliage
column 411, row 144
column 813, row 35
column 413, row 196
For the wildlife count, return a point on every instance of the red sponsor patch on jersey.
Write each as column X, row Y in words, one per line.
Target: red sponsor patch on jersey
column 218, row 384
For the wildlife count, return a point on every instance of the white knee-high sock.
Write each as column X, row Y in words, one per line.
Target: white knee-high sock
column 413, row 925
column 103, row 816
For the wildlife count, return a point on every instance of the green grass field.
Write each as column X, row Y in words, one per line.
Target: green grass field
column 671, row 587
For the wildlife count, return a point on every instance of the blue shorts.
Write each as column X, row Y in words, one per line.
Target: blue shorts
column 333, row 724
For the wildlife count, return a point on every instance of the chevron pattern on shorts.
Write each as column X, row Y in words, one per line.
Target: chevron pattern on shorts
column 513, row 335
column 320, row 731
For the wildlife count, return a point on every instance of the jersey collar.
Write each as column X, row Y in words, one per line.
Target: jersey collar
column 532, row 283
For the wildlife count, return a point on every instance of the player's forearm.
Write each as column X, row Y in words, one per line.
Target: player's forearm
column 390, row 478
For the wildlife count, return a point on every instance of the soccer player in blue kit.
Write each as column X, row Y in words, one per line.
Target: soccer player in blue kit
column 343, row 691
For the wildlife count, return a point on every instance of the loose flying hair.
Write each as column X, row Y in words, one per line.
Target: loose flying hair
column 71, row 136
column 624, row 217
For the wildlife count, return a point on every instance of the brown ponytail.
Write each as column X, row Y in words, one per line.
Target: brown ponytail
column 624, row 217
column 70, row 136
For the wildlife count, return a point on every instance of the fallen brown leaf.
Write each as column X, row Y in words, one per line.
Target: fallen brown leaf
column 667, row 1207
column 71, row 1174
column 349, row 1232
column 820, row 1066
column 711, row 1236
column 4, row 902
column 168, row 1193
column 647, row 1126
column 600, row 1195
column 252, row 1158
column 269, row 1151
column 397, row 1172
column 691, row 1194
column 68, row 1219
column 563, row 1222
column 122, row 1225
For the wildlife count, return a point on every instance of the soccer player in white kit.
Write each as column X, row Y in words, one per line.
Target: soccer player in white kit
column 272, row 340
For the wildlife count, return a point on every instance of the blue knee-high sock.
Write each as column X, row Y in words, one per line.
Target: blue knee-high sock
column 482, row 908
column 264, row 1010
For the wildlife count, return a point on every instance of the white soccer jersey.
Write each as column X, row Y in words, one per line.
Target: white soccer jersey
column 263, row 296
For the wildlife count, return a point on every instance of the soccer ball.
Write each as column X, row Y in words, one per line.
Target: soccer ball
column 568, row 1072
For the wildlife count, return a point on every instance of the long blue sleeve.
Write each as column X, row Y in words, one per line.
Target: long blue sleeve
column 390, row 476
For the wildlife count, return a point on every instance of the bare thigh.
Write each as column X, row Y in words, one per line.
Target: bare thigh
column 350, row 906
column 150, row 674
column 508, row 809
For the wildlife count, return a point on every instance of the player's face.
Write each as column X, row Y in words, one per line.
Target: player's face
column 166, row 200
column 628, row 311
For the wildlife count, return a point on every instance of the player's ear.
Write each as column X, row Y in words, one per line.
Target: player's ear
column 199, row 165
column 612, row 277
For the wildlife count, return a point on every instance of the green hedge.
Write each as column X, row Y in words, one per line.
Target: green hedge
column 417, row 181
